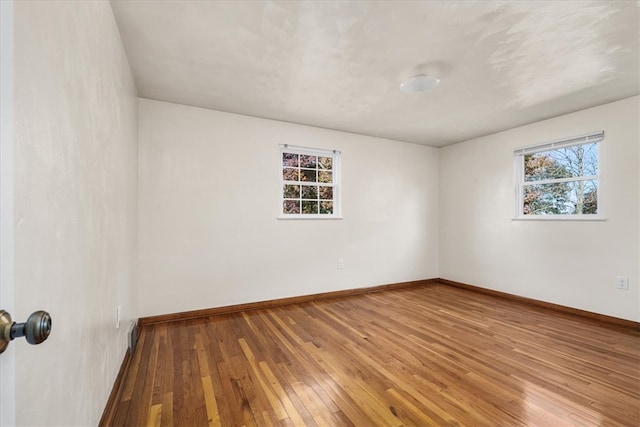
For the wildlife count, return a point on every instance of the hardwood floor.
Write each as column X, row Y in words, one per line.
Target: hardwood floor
column 427, row 356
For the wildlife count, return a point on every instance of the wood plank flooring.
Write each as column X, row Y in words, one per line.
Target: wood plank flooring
column 426, row 356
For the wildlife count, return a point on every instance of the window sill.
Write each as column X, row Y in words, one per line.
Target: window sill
column 560, row 218
column 308, row 217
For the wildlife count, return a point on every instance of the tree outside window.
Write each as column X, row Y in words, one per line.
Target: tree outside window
column 561, row 180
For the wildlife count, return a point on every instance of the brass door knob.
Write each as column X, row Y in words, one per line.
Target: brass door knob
column 36, row 329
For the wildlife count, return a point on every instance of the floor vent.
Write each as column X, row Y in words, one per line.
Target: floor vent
column 133, row 336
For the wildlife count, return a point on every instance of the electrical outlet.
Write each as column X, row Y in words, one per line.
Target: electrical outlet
column 340, row 264
column 622, row 283
column 118, row 311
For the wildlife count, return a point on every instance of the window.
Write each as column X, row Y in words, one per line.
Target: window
column 559, row 180
column 310, row 183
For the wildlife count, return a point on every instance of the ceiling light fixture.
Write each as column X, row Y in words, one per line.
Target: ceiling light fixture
column 419, row 83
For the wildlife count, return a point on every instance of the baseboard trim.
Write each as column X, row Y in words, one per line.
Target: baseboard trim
column 600, row 318
column 110, row 408
column 207, row 312
column 195, row 314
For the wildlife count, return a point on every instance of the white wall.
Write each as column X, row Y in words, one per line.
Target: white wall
column 75, row 206
column 569, row 263
column 208, row 192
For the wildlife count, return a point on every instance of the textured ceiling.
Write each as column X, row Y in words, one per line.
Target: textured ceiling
column 339, row 64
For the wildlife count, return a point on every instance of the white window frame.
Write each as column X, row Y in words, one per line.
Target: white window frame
column 520, row 183
column 336, row 178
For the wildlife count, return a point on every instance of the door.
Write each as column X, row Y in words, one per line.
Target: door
column 7, row 359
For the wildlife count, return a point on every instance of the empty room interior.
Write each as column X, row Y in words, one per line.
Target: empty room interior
column 320, row 213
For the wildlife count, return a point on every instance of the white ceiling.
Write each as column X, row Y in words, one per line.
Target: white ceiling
column 338, row 64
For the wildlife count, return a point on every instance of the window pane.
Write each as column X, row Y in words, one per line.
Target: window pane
column 291, row 191
column 324, row 176
column 291, row 174
column 291, row 207
column 566, row 198
column 325, row 163
column 308, row 161
column 308, row 175
column 547, row 199
column 309, row 192
column 586, row 196
column 326, row 207
column 289, row 159
column 326, row 193
column 308, row 180
column 309, row 207
column 567, row 162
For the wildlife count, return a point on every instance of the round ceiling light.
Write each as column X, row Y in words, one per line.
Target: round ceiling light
column 420, row 83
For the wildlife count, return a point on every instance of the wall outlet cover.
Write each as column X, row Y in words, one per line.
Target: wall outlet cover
column 622, row 283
